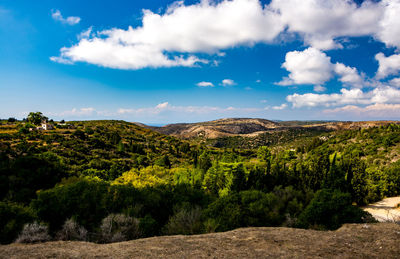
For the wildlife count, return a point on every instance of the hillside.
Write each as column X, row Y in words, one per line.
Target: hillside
column 350, row 241
column 254, row 128
column 219, row 128
column 95, row 172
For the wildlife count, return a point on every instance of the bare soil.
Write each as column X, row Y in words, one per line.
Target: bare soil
column 380, row 240
column 386, row 210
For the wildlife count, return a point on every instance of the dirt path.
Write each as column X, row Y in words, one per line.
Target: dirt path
column 385, row 210
column 350, row 241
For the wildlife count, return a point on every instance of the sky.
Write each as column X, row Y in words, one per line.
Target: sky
column 159, row 62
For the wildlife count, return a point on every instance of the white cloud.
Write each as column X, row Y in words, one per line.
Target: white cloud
column 61, row 60
column 228, row 82
column 310, row 66
column 263, row 101
column 70, row 20
column 321, row 21
column 312, row 100
column 348, row 75
column 319, row 88
column 389, row 25
column 204, row 27
column 395, row 82
column 162, row 106
column 378, row 110
column 387, row 65
column 384, row 94
column 258, row 81
column 205, row 84
column 175, row 37
column 280, row 107
column 102, row 52
column 86, row 33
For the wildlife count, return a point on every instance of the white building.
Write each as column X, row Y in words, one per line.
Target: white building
column 46, row 126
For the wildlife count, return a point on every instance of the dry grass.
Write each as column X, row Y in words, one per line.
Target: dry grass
column 351, row 241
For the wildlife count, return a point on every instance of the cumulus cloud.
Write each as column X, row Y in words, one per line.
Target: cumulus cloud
column 70, row 20
column 310, row 66
column 320, row 21
column 176, row 37
column 385, row 94
column 395, row 82
column 389, row 24
column 205, row 84
column 348, row 75
column 312, row 100
column 228, row 82
column 205, row 27
column 387, row 65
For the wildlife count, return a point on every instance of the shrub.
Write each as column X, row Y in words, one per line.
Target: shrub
column 71, row 230
column 329, row 209
column 210, row 225
column 33, row 233
column 246, row 208
column 12, row 219
column 185, row 221
column 119, row 227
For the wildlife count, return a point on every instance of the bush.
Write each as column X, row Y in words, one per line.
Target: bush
column 119, row 227
column 12, row 219
column 33, row 233
column 185, row 221
column 243, row 209
column 329, row 209
column 71, row 230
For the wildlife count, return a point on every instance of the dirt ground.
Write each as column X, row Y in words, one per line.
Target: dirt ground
column 380, row 240
column 385, row 210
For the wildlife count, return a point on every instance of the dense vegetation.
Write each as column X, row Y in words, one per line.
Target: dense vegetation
column 113, row 180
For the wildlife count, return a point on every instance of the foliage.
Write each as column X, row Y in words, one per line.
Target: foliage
column 87, row 171
column 36, row 118
column 119, row 227
column 329, row 209
column 12, row 219
column 186, row 221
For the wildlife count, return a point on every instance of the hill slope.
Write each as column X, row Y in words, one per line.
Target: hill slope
column 218, row 128
column 350, row 241
column 252, row 127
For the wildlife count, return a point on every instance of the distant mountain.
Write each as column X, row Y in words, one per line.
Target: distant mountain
column 219, row 128
column 249, row 127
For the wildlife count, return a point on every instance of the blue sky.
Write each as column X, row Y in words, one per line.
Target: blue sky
column 165, row 61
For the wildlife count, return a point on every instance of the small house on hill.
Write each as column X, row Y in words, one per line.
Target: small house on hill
column 47, row 126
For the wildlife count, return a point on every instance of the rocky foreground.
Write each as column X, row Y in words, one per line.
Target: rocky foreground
column 379, row 240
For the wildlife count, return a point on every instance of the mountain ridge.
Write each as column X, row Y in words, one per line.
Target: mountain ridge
column 250, row 127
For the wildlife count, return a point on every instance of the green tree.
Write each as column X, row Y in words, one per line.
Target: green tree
column 263, row 153
column 204, row 161
column 36, row 118
column 329, row 209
